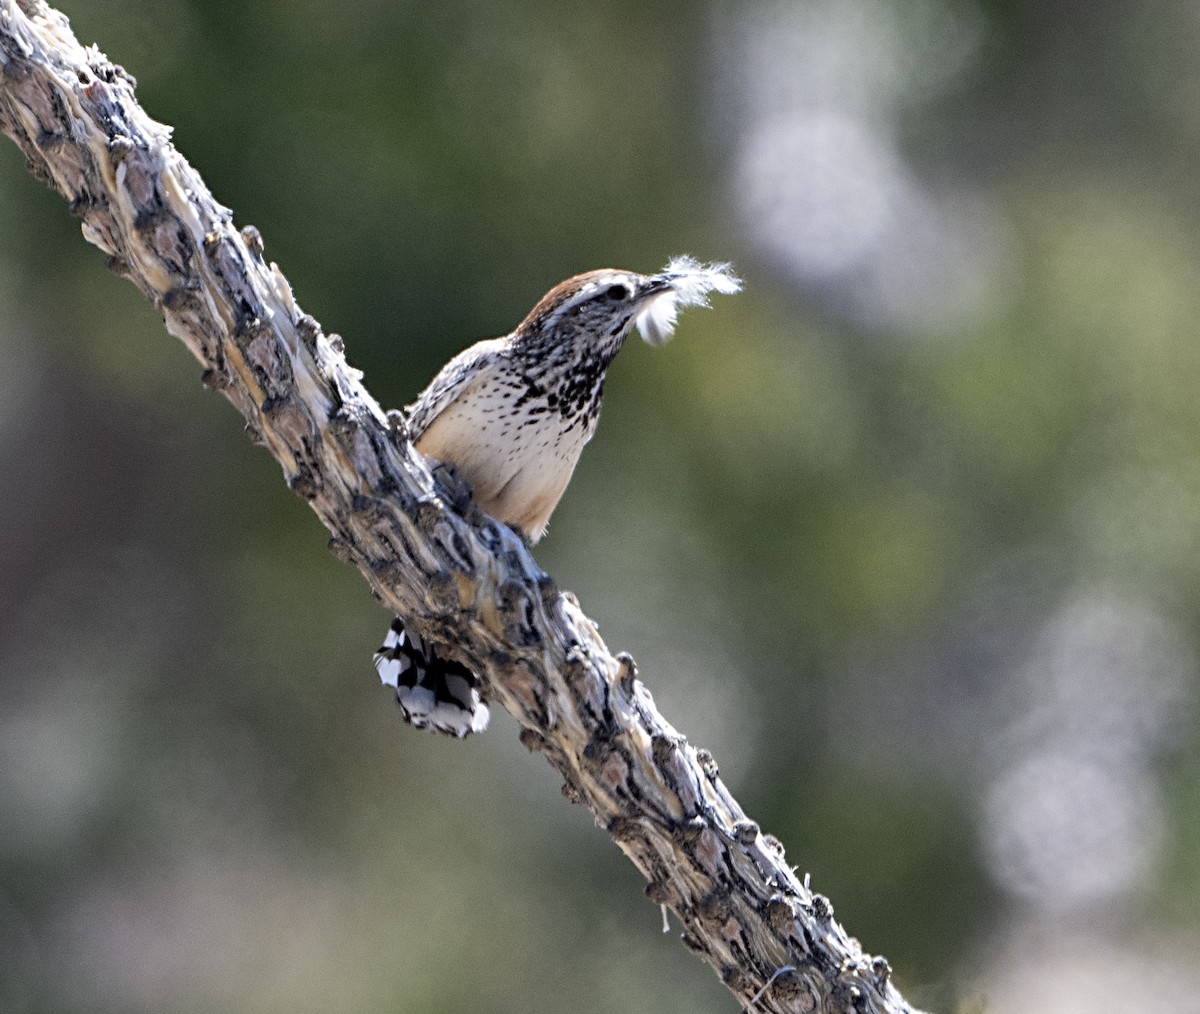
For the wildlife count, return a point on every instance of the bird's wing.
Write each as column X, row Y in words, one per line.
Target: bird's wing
column 467, row 369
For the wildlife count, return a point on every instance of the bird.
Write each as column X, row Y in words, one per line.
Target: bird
column 512, row 416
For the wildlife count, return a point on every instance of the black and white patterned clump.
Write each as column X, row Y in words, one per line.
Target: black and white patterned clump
column 434, row 692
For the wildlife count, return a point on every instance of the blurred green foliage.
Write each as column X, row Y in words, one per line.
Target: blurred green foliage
column 834, row 544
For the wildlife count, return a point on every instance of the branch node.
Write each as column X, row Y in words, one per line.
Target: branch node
column 533, row 741
column 303, row 482
column 746, row 832
column 737, row 980
column 443, row 589
column 341, row 422
column 308, row 330
column 657, row 892
column 453, row 486
column 179, row 297
column 146, row 219
column 690, row 830
column 627, row 673
column 856, row 999
column 548, row 590
column 577, row 667
column 774, row 845
column 430, row 510
column 822, row 908
column 664, row 748
column 120, row 147
column 624, row 829
column 367, row 508
column 598, row 749
column 214, row 379
column 340, row 548
column 707, row 764
column 253, row 240
column 780, row 912
column 397, row 427
column 716, row 905
column 516, row 610
column 795, row 992
column 254, row 433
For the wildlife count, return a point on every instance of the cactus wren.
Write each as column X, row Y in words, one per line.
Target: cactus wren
column 512, row 415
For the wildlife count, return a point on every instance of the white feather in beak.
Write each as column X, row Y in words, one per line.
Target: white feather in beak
column 688, row 284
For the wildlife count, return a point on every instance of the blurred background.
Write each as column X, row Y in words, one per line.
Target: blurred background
column 908, row 534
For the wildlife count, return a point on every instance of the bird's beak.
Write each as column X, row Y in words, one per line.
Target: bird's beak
column 654, row 285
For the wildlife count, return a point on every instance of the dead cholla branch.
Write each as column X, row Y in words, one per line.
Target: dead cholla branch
column 74, row 116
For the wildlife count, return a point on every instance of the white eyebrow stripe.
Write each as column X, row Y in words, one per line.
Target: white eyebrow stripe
column 589, row 291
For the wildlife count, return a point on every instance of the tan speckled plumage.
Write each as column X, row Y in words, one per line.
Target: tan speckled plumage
column 513, row 414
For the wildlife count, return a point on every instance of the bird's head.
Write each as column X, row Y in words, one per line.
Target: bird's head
column 603, row 306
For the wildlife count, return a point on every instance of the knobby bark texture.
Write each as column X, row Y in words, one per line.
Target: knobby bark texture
column 456, row 576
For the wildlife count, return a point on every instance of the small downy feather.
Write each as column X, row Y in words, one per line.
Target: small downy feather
column 690, row 282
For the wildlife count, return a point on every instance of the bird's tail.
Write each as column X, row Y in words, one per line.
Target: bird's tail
column 434, row 692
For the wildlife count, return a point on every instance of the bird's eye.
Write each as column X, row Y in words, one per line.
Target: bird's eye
column 617, row 292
